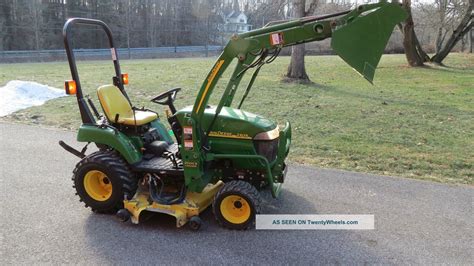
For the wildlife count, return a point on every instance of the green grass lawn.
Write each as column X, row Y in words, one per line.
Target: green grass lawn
column 414, row 122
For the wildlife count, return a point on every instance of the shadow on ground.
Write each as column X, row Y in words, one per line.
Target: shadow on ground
column 158, row 237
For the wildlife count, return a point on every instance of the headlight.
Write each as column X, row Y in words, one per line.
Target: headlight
column 268, row 135
column 266, row 144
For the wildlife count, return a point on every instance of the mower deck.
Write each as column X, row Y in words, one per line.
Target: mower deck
column 193, row 204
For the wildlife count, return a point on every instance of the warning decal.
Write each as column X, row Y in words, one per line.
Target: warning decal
column 114, row 55
column 188, row 137
column 188, row 130
column 276, row 38
column 188, row 144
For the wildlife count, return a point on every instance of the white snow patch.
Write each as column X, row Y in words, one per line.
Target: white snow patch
column 17, row 95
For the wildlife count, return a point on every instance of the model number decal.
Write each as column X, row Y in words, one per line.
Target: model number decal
column 190, row 164
column 222, row 134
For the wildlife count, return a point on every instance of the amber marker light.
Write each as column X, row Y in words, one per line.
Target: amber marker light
column 70, row 86
column 125, row 79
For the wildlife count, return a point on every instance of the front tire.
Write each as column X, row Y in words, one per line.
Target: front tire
column 102, row 180
column 236, row 204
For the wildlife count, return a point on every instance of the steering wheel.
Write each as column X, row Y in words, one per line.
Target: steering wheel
column 167, row 98
column 169, row 95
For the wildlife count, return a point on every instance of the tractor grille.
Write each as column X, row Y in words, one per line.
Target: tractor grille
column 267, row 148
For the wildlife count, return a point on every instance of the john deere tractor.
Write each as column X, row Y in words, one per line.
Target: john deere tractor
column 219, row 155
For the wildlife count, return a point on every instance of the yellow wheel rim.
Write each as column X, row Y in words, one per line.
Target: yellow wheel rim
column 97, row 185
column 235, row 209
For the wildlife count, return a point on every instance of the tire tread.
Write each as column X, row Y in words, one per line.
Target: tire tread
column 242, row 188
column 113, row 161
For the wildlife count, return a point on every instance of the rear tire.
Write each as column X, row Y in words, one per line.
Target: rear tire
column 236, row 204
column 102, row 180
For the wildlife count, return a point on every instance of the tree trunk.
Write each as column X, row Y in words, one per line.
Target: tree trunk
column 442, row 5
column 439, row 40
column 296, row 69
column 470, row 41
column 410, row 40
column 423, row 55
column 463, row 28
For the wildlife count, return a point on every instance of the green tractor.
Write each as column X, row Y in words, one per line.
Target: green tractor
column 212, row 155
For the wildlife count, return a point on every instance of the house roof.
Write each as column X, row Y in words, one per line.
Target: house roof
column 234, row 14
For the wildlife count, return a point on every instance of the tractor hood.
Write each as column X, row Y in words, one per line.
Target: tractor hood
column 231, row 123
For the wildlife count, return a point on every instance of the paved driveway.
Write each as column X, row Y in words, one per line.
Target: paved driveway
column 43, row 221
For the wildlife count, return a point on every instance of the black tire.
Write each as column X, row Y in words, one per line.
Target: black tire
column 117, row 174
column 195, row 223
column 246, row 196
column 123, row 215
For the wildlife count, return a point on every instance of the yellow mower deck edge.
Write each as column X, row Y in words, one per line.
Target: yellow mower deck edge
column 193, row 204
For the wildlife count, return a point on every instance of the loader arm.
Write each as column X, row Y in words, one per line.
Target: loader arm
column 358, row 36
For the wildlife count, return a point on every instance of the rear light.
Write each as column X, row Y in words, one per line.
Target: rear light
column 124, row 79
column 70, row 87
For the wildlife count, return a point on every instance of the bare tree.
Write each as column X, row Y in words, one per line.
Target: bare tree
column 296, row 69
column 451, row 18
column 450, row 10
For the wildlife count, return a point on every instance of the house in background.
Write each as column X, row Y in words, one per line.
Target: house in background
column 235, row 22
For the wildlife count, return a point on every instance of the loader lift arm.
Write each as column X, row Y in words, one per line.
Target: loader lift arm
column 247, row 46
column 358, row 36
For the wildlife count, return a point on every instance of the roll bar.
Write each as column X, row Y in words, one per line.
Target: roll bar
column 84, row 109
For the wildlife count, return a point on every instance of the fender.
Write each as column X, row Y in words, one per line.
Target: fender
column 112, row 138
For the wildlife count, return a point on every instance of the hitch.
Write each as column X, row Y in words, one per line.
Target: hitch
column 81, row 154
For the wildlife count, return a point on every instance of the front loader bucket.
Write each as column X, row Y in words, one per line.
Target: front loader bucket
column 362, row 40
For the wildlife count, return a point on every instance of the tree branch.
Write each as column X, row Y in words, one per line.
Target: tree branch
column 463, row 27
column 312, row 7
